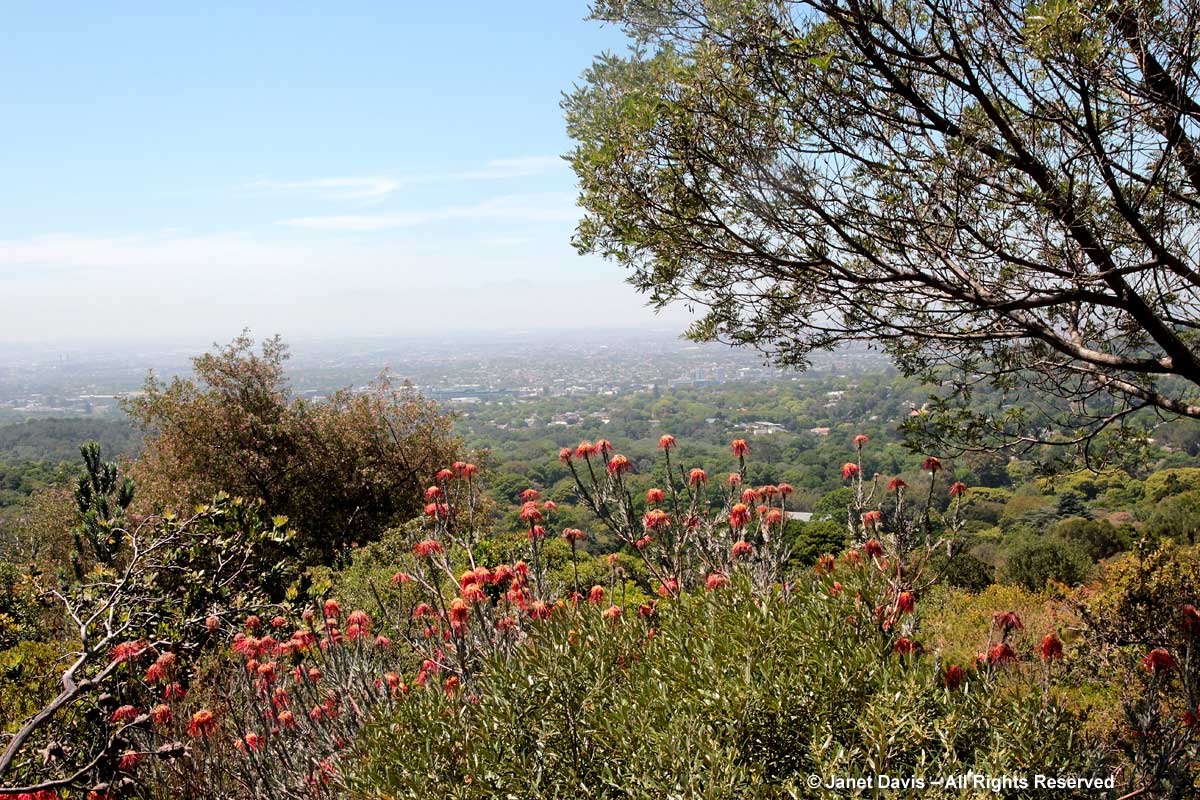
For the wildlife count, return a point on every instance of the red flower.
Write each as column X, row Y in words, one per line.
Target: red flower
column 644, row 542
column 932, row 464
column 458, row 467
column 734, row 479
column 540, row 610
column 549, row 505
column 435, row 509
column 896, row 484
column 603, row 446
column 1001, row 654
column 160, row 668
column 1051, row 648
column 957, row 488
column 618, row 464
column 459, row 612
column 596, row 595
column 359, row 618
column 656, row 520
column 536, row 532
column 401, row 578
column 126, row 651
column 585, row 449
column 451, row 685
column 564, row 455
column 741, row 549
column 433, row 493
column 773, row 517
column 739, row 447
column 836, row 589
column 849, row 470
column 469, row 469
column 860, row 440
column 333, row 609
column 1158, row 660
column 953, row 677
column 905, row 646
column 873, row 548
column 572, row 535
column 253, row 622
column 825, row 563
column 612, row 612
column 697, row 476
column 203, row 724
column 666, row 441
column 785, row 489
column 655, row 496
column 906, row 602
column 287, row 719
column 715, row 581
column 445, row 475
column 125, row 714
column 427, row 548
column 739, row 515
column 750, row 496
column 669, row 588
column 530, row 512
column 129, row 760
column 1191, row 619
column 161, row 714
column 529, row 494
column 871, row 519
column 1008, row 621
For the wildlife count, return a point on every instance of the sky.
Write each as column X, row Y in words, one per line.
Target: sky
column 181, row 171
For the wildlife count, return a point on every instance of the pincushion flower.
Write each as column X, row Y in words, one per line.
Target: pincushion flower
column 572, row 535
column 203, row 723
column 529, row 494
column 126, row 651
column 161, row 714
column 585, row 449
column 603, row 446
column 655, row 496
column 540, row 610
column 905, row 646
column 739, row 515
column 433, row 493
column 932, row 464
column 459, row 612
column 666, row 441
column 444, row 475
column 549, row 505
column 906, row 602
column 612, row 612
column 734, row 479
column 953, row 677
column 715, row 581
column 750, row 496
column 773, row 517
column 739, row 447
column 596, row 595
column 872, row 519
column 458, row 467
column 1190, row 618
column 1008, row 621
column 656, row 520
column 536, row 532
column 618, row 465
column 742, row 549
column 785, row 489
column 1001, row 654
column 861, row 439
column 1051, row 648
column 530, row 512
column 873, row 548
column 129, row 759
column 957, row 488
column 401, row 578
column 564, row 455
column 697, row 476
column 896, row 484
column 849, row 470
column 333, row 610
column 125, row 714
column 1158, row 660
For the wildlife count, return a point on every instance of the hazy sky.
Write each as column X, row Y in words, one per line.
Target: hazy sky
column 175, row 171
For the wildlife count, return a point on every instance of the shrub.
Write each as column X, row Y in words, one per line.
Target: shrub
column 1033, row 561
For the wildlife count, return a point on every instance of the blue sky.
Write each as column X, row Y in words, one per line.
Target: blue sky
column 309, row 169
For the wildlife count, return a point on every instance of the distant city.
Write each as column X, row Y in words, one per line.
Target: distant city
column 461, row 373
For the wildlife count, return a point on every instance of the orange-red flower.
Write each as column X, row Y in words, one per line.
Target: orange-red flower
column 734, row 479
column 1191, row 619
column 129, row 759
column 666, row 441
column 655, row 496
column 1051, row 648
column 953, row 677
column 1001, row 654
column 564, row 455
column 203, row 724
column 125, row 714
column 896, row 484
column 739, row 515
column 572, row 534
column 715, row 581
column 433, row 493
column 785, row 489
column 741, row 549
column 932, row 464
column 1158, row 660
column 619, row 464
column 739, row 447
column 697, row 476
column 612, row 612
column 530, row 512
column 873, row 548
column 906, row 602
column 957, row 488
column 905, row 646
column 849, row 470
column 161, row 714
column 126, row 651
column 603, row 446
column 529, row 494
column 656, row 520
column 872, row 518
column 1008, row 621
column 427, row 548
column 861, row 439
column 596, row 595
column 459, row 612
column 585, row 449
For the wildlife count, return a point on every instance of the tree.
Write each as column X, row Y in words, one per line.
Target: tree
column 989, row 190
column 341, row 469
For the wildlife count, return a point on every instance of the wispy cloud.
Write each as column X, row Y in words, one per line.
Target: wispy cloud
column 365, row 188
column 546, row 207
column 380, row 187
